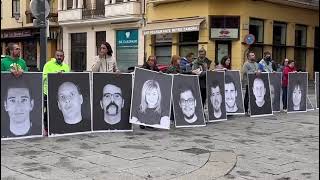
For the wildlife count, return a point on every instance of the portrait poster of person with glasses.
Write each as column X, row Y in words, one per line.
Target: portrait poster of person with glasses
column 111, row 102
column 187, row 104
column 69, row 108
column 151, row 99
column 216, row 96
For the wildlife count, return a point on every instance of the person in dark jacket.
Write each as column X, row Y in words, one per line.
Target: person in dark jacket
column 151, row 64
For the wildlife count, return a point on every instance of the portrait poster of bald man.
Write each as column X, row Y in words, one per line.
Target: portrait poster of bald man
column 297, row 92
column 275, row 90
column 233, row 93
column 111, row 102
column 151, row 99
column 216, row 96
column 187, row 104
column 69, row 109
column 316, row 77
column 259, row 95
column 21, row 106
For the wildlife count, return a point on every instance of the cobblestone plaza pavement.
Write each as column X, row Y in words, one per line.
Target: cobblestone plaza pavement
column 282, row 147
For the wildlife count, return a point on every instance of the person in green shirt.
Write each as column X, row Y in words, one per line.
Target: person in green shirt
column 12, row 62
column 54, row 65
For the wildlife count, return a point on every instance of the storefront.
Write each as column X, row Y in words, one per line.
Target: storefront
column 29, row 42
column 220, row 27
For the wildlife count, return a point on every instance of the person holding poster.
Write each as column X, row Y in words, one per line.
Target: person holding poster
column 250, row 66
column 54, row 65
column 105, row 62
column 286, row 71
column 13, row 63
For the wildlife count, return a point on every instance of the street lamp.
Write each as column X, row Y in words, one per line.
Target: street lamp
column 17, row 17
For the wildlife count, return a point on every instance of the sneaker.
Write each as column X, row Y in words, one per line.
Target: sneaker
column 285, row 110
column 142, row 127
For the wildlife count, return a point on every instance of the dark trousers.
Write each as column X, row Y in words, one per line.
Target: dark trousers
column 203, row 95
column 45, row 114
column 246, row 99
column 284, row 97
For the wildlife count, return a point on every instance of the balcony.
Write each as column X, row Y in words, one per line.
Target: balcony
column 127, row 8
column 93, row 12
column 53, row 16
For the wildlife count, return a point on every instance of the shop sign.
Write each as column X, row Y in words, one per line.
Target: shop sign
column 163, row 38
column 224, row 33
column 127, row 38
column 16, row 34
column 172, row 30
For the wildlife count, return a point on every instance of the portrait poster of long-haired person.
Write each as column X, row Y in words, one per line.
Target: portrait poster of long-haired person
column 151, row 99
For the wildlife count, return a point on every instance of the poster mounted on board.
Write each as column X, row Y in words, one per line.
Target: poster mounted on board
column 187, row 104
column 259, row 95
column 111, row 102
column 21, row 106
column 151, row 99
column 69, row 103
column 216, row 96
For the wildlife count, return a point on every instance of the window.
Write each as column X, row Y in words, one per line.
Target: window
column 256, row 28
column 225, row 21
column 188, row 43
column 300, row 47
column 100, row 38
column 301, row 35
column 69, row 4
column 163, row 48
column 15, row 8
column 78, row 51
column 279, row 41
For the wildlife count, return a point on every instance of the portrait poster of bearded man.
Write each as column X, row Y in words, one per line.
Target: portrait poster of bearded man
column 216, row 96
column 111, row 102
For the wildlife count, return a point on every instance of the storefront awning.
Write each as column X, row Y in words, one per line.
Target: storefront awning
column 173, row 26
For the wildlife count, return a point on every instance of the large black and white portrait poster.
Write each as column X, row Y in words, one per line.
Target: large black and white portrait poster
column 187, row 104
column 216, row 97
column 69, row 109
column 297, row 92
column 259, row 95
column 233, row 93
column 21, row 106
column 317, row 89
column 275, row 90
column 111, row 102
column 151, row 97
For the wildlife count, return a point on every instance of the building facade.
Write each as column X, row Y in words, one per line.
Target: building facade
column 287, row 29
column 17, row 26
column 88, row 23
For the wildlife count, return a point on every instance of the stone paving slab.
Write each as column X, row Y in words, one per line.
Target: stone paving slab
column 284, row 146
